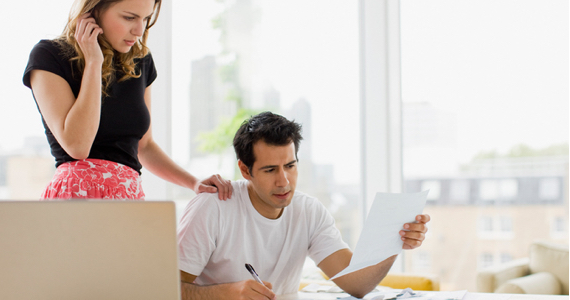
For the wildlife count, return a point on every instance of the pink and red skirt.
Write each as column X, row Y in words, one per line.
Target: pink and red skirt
column 94, row 179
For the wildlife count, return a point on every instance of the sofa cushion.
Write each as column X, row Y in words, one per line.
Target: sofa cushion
column 489, row 279
column 552, row 258
column 542, row 283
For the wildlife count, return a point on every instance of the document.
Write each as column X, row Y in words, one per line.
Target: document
column 380, row 237
column 443, row 295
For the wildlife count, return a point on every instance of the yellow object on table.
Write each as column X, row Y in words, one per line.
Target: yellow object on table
column 398, row 281
column 415, row 282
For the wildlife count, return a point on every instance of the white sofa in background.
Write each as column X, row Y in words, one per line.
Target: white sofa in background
column 544, row 272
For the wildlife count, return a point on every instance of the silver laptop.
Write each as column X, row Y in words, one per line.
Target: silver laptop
column 88, row 250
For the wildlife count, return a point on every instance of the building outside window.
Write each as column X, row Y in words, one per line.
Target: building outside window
column 459, row 191
column 549, row 188
column 496, row 73
column 486, row 260
column 434, row 188
column 506, row 225
column 496, row 190
column 489, row 190
column 559, row 228
column 508, row 189
column 486, row 224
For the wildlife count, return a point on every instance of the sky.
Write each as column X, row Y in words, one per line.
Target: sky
column 501, row 67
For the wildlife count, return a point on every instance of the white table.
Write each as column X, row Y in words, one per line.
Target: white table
column 468, row 296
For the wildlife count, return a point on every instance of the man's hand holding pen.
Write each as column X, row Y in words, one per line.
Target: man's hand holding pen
column 414, row 234
column 255, row 289
column 251, row 289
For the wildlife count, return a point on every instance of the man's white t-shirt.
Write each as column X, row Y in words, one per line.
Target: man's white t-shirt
column 217, row 238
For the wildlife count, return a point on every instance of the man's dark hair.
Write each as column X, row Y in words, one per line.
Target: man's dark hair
column 268, row 127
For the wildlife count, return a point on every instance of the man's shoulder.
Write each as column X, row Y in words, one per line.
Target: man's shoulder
column 203, row 203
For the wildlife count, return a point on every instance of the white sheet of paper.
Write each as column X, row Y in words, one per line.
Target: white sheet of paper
column 380, row 237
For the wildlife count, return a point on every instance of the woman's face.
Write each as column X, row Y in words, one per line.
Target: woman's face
column 124, row 22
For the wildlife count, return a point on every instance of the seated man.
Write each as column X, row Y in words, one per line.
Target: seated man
column 268, row 224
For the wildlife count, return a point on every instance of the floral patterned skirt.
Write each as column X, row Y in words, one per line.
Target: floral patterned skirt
column 94, row 179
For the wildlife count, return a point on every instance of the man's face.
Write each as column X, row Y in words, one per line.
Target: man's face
column 273, row 178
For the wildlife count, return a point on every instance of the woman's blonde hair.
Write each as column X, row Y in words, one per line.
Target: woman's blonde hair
column 124, row 60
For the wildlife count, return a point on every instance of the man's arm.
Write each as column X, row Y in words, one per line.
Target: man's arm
column 358, row 283
column 363, row 281
column 247, row 289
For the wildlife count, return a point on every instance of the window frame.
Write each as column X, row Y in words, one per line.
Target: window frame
column 380, row 102
column 160, row 41
column 380, row 99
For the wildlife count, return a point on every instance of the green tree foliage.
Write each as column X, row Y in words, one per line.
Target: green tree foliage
column 219, row 139
column 523, row 150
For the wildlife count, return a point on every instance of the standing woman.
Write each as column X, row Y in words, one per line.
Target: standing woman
column 92, row 86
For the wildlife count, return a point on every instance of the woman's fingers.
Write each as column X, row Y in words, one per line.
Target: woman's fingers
column 86, row 33
column 81, row 24
column 223, row 186
column 85, row 28
column 92, row 30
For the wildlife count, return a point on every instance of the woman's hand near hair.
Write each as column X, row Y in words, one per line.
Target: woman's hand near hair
column 74, row 121
column 86, row 34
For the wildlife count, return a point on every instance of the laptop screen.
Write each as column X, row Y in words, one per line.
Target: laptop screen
column 88, row 250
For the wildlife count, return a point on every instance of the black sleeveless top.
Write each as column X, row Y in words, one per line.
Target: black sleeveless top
column 124, row 115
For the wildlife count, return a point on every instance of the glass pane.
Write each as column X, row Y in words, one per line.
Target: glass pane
column 236, row 58
column 26, row 165
column 485, row 115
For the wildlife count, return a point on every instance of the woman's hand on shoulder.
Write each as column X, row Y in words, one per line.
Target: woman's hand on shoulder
column 215, row 183
column 86, row 32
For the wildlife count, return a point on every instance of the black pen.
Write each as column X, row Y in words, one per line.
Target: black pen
column 253, row 273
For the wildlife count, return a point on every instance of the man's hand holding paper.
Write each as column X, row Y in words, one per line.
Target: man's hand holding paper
column 394, row 222
column 414, row 234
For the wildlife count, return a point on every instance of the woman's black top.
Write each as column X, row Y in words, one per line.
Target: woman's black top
column 124, row 115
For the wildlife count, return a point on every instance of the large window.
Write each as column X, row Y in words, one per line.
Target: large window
column 233, row 59
column 26, row 165
column 485, row 116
